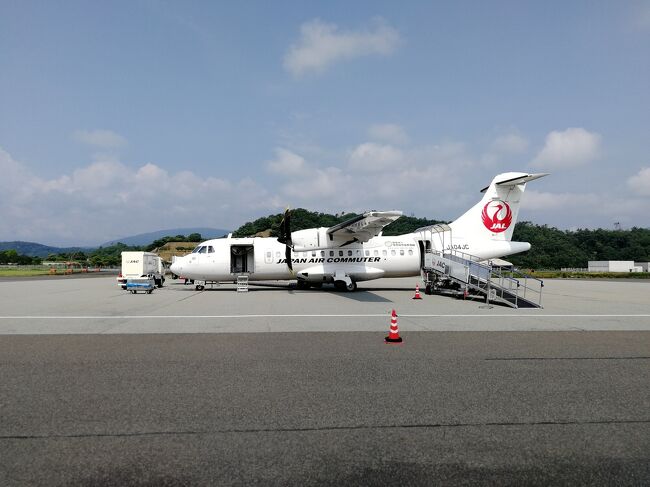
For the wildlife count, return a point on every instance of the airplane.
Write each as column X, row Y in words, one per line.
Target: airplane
column 356, row 250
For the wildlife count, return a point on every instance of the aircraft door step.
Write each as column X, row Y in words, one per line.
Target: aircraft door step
column 242, row 284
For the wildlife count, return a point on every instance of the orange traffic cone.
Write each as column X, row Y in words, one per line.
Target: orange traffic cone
column 393, row 334
column 417, row 292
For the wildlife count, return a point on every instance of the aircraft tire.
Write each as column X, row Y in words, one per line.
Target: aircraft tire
column 199, row 287
column 351, row 287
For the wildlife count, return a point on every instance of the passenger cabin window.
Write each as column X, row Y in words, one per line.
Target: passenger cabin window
column 331, row 253
column 376, row 252
column 392, row 252
column 384, row 253
column 313, row 254
column 367, row 253
column 340, row 253
column 410, row 251
column 349, row 253
column 401, row 252
column 322, row 253
column 277, row 254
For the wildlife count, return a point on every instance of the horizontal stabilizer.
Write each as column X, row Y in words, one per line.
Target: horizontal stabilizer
column 518, row 180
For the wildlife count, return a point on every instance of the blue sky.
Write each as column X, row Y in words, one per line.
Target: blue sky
column 125, row 117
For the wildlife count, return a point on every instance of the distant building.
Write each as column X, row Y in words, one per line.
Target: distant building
column 613, row 266
column 645, row 266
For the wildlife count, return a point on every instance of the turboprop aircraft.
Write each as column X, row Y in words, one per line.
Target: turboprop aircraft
column 355, row 250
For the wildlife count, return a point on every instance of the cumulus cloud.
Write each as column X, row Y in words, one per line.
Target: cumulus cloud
column 102, row 139
column 510, row 144
column 571, row 148
column 286, row 162
column 108, row 198
column 322, row 44
column 375, row 157
column 640, row 182
column 388, row 132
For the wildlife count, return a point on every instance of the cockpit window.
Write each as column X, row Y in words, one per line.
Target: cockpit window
column 210, row 249
column 203, row 250
column 197, row 249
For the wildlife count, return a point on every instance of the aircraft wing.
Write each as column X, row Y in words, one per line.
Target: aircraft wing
column 363, row 227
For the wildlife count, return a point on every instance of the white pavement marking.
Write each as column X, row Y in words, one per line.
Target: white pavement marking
column 136, row 317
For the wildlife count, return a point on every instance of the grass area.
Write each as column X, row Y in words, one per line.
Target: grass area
column 23, row 272
column 588, row 275
column 32, row 271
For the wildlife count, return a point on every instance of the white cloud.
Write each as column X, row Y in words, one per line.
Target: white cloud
column 571, row 148
column 322, row 44
column 286, row 162
column 388, row 132
column 640, row 182
column 107, row 199
column 510, row 144
column 103, row 139
column 375, row 157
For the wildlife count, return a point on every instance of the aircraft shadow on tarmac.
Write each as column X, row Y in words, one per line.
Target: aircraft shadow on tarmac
column 359, row 295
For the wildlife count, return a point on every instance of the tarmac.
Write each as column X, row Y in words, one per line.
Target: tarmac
column 280, row 386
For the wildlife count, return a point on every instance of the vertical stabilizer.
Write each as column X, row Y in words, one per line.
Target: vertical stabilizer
column 494, row 217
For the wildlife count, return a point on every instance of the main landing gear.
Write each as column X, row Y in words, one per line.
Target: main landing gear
column 345, row 286
column 338, row 285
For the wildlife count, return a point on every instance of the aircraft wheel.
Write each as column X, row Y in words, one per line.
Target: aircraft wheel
column 302, row 284
column 351, row 287
column 149, row 291
column 317, row 285
column 199, row 287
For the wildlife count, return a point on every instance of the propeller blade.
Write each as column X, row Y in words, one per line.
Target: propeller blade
column 285, row 237
column 287, row 255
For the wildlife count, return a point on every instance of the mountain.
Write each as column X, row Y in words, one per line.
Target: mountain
column 147, row 238
column 33, row 249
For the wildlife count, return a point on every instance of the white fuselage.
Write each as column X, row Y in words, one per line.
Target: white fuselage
column 264, row 258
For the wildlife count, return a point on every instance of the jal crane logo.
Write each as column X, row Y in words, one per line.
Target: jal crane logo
column 497, row 216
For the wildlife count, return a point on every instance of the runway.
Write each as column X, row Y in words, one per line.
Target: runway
column 287, row 387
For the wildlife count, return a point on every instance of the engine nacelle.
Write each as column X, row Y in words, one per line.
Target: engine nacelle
column 310, row 239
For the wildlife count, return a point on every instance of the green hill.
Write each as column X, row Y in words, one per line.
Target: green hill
column 302, row 219
column 33, row 249
column 551, row 248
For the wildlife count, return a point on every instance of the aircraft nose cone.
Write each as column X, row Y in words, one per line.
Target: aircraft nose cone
column 175, row 268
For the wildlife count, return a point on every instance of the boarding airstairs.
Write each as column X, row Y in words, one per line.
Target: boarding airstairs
column 454, row 271
column 461, row 271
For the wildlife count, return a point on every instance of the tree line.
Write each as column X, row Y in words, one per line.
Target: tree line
column 551, row 248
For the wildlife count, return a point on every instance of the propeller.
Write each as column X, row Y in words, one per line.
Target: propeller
column 285, row 237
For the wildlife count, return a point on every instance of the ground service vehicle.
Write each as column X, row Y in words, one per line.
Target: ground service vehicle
column 141, row 264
